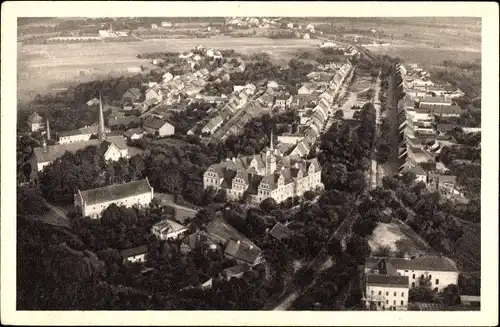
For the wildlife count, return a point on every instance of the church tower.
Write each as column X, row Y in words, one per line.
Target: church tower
column 48, row 130
column 102, row 129
column 271, row 158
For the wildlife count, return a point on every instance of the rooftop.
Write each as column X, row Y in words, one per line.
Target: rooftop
column 141, row 249
column 280, row 231
column 428, row 263
column 115, row 192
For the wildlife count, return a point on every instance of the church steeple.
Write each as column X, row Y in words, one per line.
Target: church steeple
column 102, row 130
column 48, row 130
column 271, row 145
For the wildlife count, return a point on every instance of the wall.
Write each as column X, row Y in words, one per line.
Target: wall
column 166, row 129
column 95, row 211
column 137, row 258
column 445, row 277
column 387, row 299
column 74, row 138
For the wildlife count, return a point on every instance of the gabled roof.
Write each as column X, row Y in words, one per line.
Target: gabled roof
column 35, row 118
column 115, row 192
column 134, row 251
column 387, row 280
column 280, row 232
column 242, row 251
column 235, row 270
column 154, row 122
column 426, row 263
column 134, row 91
column 133, row 131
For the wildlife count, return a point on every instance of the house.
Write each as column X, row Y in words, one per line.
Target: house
column 92, row 102
column 301, row 150
column 136, row 254
column 35, row 122
column 197, row 58
column 167, row 77
column 93, row 202
column 154, row 93
column 310, row 27
column 135, row 133
column 284, row 101
column 110, row 147
column 281, row 232
column 157, row 126
column 306, row 36
column 166, row 24
column 305, row 90
column 243, row 253
column 442, row 110
column 440, row 270
column 327, row 44
column 127, row 106
column 290, row 138
column 235, row 271
column 272, row 85
column 168, row 229
column 131, row 95
column 386, row 292
column 289, row 25
column 213, row 125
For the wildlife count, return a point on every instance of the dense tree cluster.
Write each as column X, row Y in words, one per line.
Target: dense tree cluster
column 67, row 110
column 256, row 133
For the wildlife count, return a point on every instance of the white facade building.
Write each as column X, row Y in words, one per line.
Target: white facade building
column 93, row 202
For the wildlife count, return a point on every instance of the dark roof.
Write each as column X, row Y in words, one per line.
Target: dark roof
column 56, row 151
column 242, row 251
column 35, row 118
column 438, row 109
column 236, row 270
column 154, row 122
column 427, row 263
column 386, row 280
column 280, row 231
column 70, row 133
column 115, row 192
column 135, row 92
column 141, row 249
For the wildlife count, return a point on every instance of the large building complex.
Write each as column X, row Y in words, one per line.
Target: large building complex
column 264, row 175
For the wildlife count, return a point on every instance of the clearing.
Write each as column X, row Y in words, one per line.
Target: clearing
column 398, row 237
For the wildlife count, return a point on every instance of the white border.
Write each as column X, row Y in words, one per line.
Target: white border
column 489, row 13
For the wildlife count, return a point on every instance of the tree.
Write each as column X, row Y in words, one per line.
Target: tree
column 115, row 215
column 268, row 205
column 358, row 248
column 339, row 114
column 382, row 251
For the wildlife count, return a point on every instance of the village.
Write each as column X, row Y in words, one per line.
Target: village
column 208, row 97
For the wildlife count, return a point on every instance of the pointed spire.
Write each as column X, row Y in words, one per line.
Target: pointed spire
column 48, row 130
column 271, row 146
column 102, row 131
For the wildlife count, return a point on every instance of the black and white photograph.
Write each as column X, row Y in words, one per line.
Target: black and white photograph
column 255, row 160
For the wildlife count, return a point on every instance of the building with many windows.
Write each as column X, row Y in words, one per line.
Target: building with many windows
column 264, row 175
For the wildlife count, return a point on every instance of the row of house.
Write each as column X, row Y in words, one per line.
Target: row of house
column 236, row 101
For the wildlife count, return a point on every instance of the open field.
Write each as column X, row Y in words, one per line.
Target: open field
column 42, row 67
column 427, row 55
column 398, row 237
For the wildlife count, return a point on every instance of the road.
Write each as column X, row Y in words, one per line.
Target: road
column 374, row 171
column 61, row 220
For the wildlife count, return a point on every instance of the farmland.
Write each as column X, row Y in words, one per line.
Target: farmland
column 42, row 67
column 426, row 55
